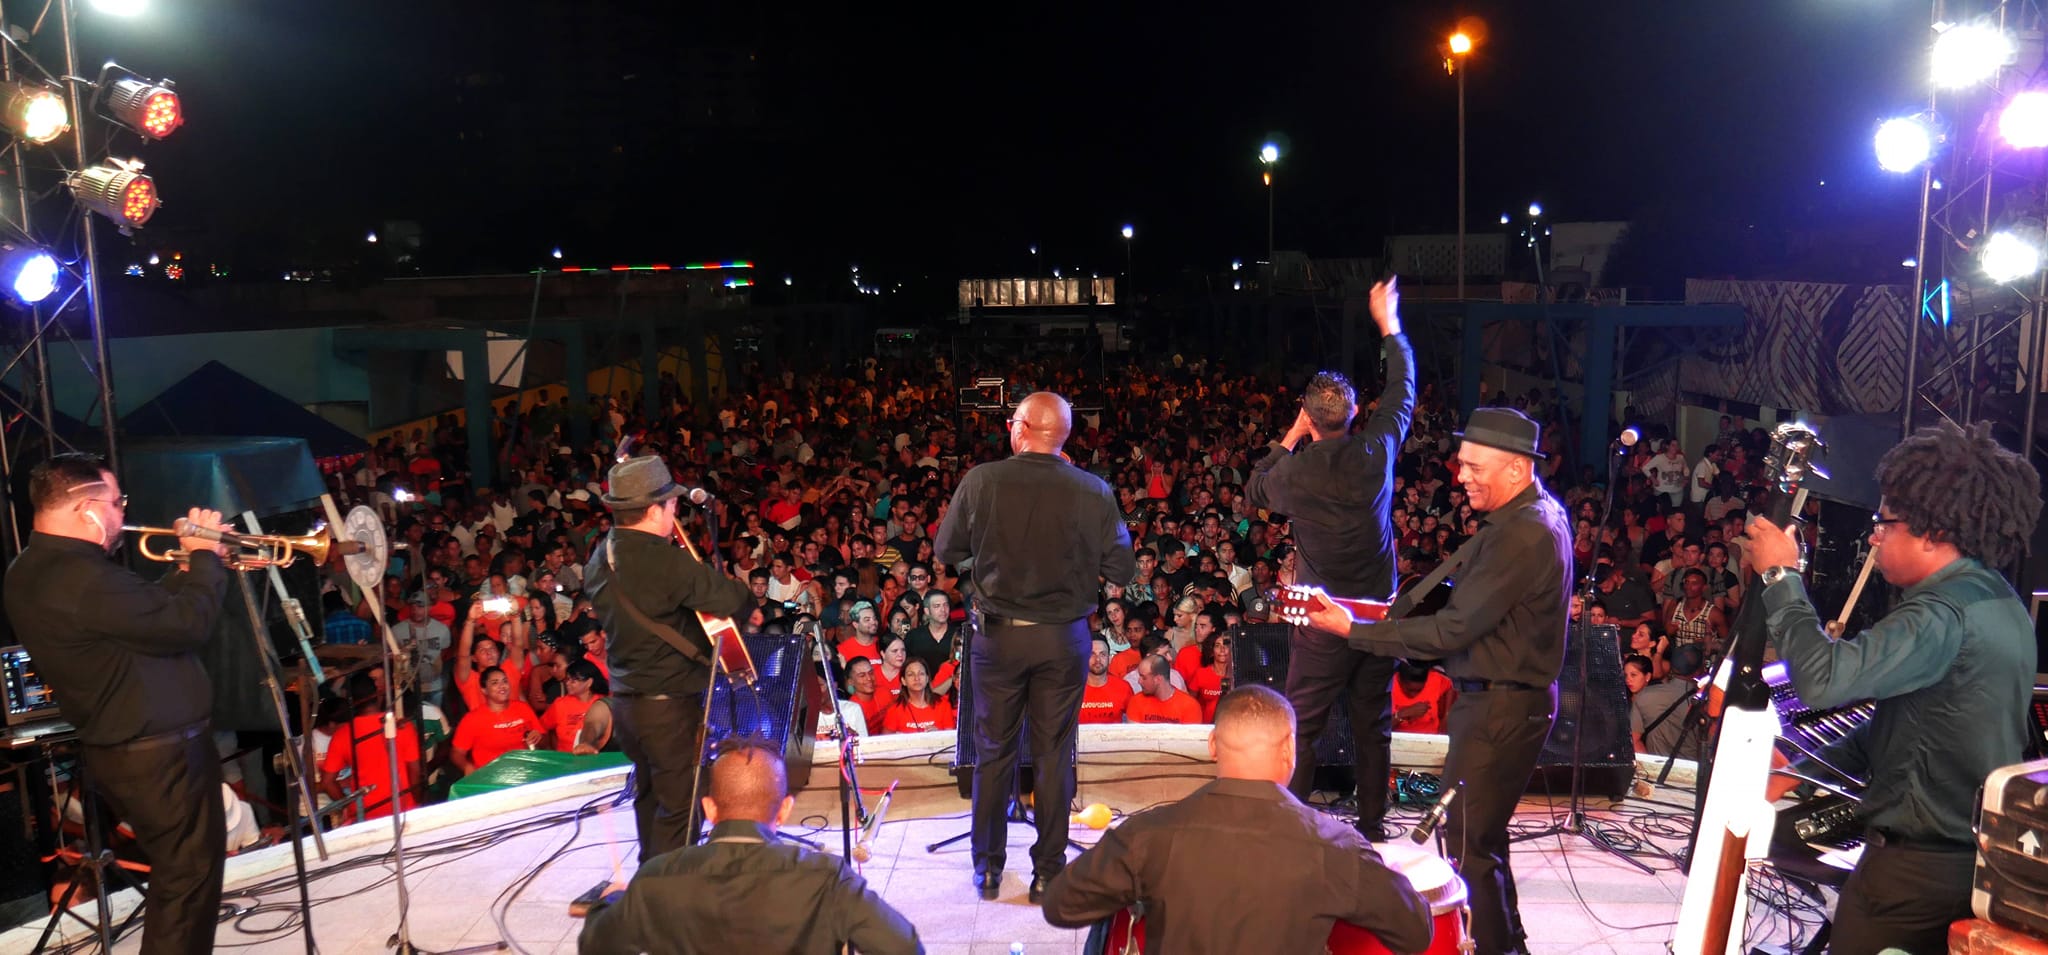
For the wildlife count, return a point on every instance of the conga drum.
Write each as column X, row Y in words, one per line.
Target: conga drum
column 1432, row 878
column 1437, row 883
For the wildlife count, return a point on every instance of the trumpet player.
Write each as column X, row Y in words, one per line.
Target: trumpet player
column 122, row 654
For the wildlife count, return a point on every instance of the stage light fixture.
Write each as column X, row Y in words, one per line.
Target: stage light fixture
column 2024, row 121
column 143, row 105
column 29, row 273
column 1968, row 54
column 1903, row 143
column 116, row 189
column 2011, row 255
column 34, row 113
column 121, row 8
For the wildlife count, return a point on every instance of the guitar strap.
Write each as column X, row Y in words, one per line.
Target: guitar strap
column 1406, row 601
column 668, row 634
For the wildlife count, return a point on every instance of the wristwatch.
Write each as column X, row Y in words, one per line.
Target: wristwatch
column 1775, row 574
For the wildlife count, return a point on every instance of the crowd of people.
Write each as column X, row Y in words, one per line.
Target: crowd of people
column 827, row 494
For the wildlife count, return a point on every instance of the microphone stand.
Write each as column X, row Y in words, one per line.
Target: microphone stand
column 850, row 807
column 1575, row 821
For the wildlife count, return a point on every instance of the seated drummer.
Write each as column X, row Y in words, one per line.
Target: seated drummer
column 1240, row 865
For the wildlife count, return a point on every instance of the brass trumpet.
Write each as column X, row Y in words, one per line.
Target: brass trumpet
column 246, row 551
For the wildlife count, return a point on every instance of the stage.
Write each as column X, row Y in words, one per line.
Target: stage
column 503, row 866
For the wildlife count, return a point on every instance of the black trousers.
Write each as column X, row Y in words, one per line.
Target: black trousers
column 1041, row 671
column 1902, row 898
column 1320, row 669
column 1496, row 738
column 167, row 789
column 661, row 735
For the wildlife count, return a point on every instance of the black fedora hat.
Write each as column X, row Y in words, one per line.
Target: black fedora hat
column 641, row 481
column 1506, row 429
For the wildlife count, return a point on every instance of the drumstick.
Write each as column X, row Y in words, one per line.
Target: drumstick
column 1856, row 592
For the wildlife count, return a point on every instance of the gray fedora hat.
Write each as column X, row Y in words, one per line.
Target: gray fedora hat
column 641, row 481
column 1506, row 429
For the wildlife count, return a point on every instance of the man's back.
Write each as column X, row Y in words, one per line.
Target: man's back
column 743, row 892
column 1240, row 866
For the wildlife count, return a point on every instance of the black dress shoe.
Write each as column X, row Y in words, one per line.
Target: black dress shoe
column 1038, row 884
column 990, row 883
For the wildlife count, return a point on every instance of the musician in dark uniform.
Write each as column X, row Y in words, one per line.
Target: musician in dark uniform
column 647, row 592
column 1951, row 668
column 122, row 655
column 1338, row 491
column 1501, row 637
column 1240, row 865
column 1042, row 535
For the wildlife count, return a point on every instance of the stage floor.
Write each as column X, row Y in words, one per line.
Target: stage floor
column 502, row 867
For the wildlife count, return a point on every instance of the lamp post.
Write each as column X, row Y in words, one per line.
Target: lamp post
column 1270, row 155
column 1456, row 49
column 1034, row 260
column 1130, row 278
column 1536, row 239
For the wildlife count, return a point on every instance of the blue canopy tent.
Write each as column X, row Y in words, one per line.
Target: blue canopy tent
column 217, row 400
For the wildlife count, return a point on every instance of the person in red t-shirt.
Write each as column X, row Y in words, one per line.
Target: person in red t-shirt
column 362, row 750
column 1103, row 698
column 1421, row 698
column 1190, row 659
column 1122, row 662
column 860, row 690
column 866, row 624
column 565, row 715
column 918, row 709
column 475, row 654
column 1160, row 703
column 501, row 725
column 889, row 673
column 1212, row 679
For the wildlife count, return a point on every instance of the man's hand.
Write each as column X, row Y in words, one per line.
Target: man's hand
column 1298, row 431
column 209, row 520
column 1385, row 302
column 1329, row 618
column 1770, row 546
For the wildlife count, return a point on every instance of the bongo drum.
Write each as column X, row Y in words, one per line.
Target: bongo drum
column 1437, row 883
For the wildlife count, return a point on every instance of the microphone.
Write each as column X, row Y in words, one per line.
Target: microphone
column 874, row 825
column 185, row 528
column 696, row 495
column 1628, row 439
column 1420, row 834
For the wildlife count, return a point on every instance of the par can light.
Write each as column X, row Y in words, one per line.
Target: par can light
column 117, row 190
column 35, row 114
column 29, row 273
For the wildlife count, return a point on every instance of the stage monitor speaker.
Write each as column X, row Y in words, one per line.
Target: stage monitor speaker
column 1596, row 731
column 1261, row 657
column 784, row 710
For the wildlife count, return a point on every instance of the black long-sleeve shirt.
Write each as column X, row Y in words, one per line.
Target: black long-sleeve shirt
column 121, row 652
column 667, row 585
column 1337, row 492
column 744, row 892
column 1506, row 616
column 1043, row 535
column 1240, row 865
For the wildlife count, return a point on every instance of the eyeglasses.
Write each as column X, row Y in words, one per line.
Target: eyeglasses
column 1879, row 522
column 120, row 502
column 920, row 576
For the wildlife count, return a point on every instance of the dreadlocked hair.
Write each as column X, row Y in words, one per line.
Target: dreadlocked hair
column 1960, row 486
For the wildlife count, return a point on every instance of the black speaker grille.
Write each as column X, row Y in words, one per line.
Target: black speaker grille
column 779, row 712
column 1603, row 721
column 1261, row 656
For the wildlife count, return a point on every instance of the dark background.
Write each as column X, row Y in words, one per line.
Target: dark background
column 945, row 143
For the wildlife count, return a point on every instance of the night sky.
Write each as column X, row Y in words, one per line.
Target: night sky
column 946, row 145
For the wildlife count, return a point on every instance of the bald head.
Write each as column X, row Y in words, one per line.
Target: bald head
column 748, row 782
column 1254, row 736
column 1042, row 422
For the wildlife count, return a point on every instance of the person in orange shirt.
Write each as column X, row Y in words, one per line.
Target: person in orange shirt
column 362, row 750
column 866, row 624
column 474, row 655
column 1421, row 698
column 889, row 672
column 917, row 709
column 1212, row 679
column 1189, row 660
column 860, row 690
column 1122, row 662
column 1104, row 698
column 501, row 725
column 564, row 717
column 1161, row 703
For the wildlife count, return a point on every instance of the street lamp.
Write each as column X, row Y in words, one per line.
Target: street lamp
column 1270, row 155
column 1456, row 49
column 1535, row 238
column 1129, row 277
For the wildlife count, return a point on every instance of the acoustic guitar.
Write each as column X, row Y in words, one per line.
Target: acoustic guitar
column 1297, row 601
column 726, row 643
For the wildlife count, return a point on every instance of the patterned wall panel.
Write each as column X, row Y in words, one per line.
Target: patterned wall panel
column 1778, row 360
